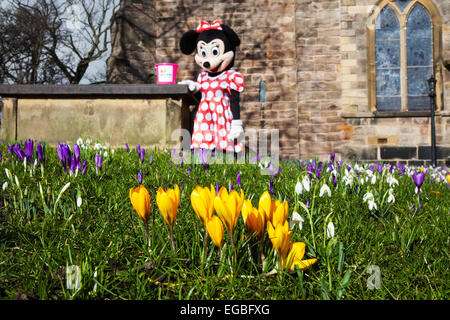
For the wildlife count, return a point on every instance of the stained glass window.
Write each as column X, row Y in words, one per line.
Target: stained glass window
column 387, row 55
column 402, row 4
column 419, row 49
column 403, row 56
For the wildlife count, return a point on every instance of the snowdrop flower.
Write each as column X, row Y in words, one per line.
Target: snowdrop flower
column 391, row 197
column 348, row 180
column 330, row 230
column 372, row 205
column 79, row 141
column 368, row 196
column 298, row 188
column 296, row 219
column 324, row 189
column 79, row 201
column 306, row 183
column 370, row 199
column 8, row 174
column 391, row 180
column 105, row 154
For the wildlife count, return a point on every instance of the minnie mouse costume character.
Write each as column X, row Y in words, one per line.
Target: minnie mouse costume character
column 217, row 123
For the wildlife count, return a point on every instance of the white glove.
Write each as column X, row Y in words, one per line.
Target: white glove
column 236, row 130
column 192, row 85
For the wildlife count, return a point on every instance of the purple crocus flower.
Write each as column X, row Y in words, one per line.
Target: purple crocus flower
column 181, row 185
column 29, row 147
column 332, row 156
column 140, row 177
column 151, row 160
column 239, row 179
column 334, row 180
column 19, row 151
column 40, row 152
column 142, row 155
column 258, row 157
column 98, row 161
column 73, row 164
column 0, row 155
column 204, row 158
column 84, row 167
column 307, row 203
column 418, row 179
column 271, row 187
column 10, row 151
column 138, row 149
column 76, row 152
column 379, row 168
column 127, row 147
column 217, row 188
column 271, row 169
column 318, row 171
column 309, row 169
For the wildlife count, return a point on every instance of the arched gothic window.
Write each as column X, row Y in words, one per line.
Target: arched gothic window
column 404, row 48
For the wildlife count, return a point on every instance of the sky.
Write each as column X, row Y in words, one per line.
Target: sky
column 73, row 17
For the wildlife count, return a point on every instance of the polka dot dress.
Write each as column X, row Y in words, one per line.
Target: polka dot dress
column 213, row 121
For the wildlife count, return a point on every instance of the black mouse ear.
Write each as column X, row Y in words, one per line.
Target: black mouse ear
column 232, row 36
column 188, row 42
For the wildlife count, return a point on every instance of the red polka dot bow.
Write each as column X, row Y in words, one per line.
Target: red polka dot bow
column 204, row 25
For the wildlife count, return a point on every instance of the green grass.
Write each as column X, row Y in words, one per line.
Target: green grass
column 38, row 241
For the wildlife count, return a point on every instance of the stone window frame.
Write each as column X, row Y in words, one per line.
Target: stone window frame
column 436, row 21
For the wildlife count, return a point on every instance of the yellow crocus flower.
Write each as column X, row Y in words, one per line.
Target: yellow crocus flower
column 254, row 220
column 140, row 199
column 448, row 178
column 215, row 230
column 274, row 211
column 279, row 236
column 202, row 200
column 265, row 205
column 280, row 213
column 168, row 202
column 228, row 206
column 295, row 256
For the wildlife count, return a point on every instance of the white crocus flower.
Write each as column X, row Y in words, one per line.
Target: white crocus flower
column 330, row 230
column 298, row 188
column 324, row 189
column 373, row 179
column 80, row 141
column 5, row 185
column 296, row 219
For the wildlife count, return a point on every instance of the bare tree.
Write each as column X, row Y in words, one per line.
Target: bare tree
column 53, row 41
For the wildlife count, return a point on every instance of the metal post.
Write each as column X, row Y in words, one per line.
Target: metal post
column 432, row 86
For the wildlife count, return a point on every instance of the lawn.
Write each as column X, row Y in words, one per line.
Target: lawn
column 376, row 230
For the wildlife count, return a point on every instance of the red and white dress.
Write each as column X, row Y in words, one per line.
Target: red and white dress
column 213, row 121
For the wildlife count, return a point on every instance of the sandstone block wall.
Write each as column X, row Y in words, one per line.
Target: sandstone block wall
column 312, row 57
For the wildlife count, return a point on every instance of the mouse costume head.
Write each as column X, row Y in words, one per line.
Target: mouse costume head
column 215, row 45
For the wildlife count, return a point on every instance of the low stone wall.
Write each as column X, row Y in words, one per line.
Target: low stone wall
column 113, row 114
